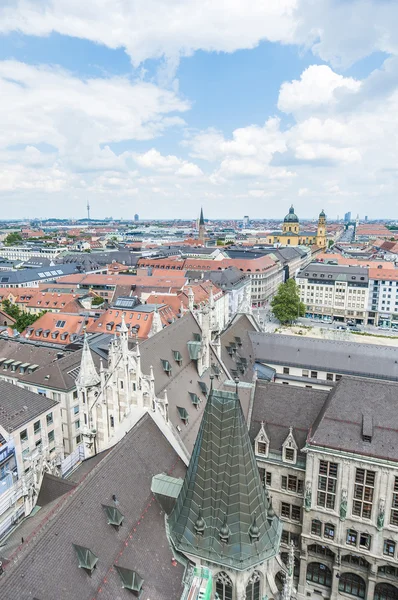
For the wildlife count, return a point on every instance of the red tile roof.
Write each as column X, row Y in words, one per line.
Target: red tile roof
column 57, row 328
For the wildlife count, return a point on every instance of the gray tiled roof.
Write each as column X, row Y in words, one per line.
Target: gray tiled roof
column 19, row 406
column 60, row 374
column 184, row 377
column 339, row 424
column 347, row 358
column 222, row 488
column 281, row 406
column 37, row 274
column 240, row 329
column 330, row 273
column 47, row 567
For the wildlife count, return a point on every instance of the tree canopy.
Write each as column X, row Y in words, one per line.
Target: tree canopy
column 22, row 319
column 286, row 304
column 13, row 239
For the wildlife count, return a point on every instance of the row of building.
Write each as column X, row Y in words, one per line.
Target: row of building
column 362, row 294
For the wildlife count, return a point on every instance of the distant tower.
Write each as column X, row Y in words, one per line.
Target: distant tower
column 202, row 229
column 321, row 230
column 88, row 210
column 136, row 217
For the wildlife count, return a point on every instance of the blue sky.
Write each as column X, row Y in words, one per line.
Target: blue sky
column 246, row 112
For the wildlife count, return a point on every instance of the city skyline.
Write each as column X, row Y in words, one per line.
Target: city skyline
column 242, row 112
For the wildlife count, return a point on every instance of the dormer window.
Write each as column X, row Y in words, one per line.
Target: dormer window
column 262, row 442
column 289, row 448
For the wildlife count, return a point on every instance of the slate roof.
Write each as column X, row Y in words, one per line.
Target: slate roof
column 281, row 406
column 331, row 273
column 19, row 406
column 340, row 423
column 346, row 358
column 47, row 567
column 222, row 489
column 52, row 372
column 238, row 331
column 184, row 377
column 37, row 274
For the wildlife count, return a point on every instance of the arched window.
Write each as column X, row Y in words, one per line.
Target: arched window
column 385, row 591
column 223, row 587
column 352, row 584
column 253, row 587
column 319, row 573
column 279, row 580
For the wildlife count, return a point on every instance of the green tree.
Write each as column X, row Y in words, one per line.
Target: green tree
column 13, row 239
column 286, row 304
column 97, row 301
column 22, row 319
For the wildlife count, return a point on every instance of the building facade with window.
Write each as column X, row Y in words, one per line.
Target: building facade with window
column 335, row 292
column 383, row 297
column 335, row 485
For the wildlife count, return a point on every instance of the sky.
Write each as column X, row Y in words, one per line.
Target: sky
column 159, row 107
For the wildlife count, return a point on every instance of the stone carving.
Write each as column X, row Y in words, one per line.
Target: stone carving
column 343, row 505
column 381, row 515
column 308, row 496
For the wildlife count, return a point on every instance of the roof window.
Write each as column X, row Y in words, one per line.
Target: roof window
column 114, row 515
column 183, row 414
column 130, row 580
column 166, row 366
column 195, row 398
column 177, row 356
column 203, row 388
column 87, row 559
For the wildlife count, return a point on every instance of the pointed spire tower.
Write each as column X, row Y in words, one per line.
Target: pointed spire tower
column 220, row 515
column 88, row 376
column 202, row 228
column 156, row 323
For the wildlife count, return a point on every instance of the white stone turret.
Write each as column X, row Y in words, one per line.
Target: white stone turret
column 156, row 323
column 88, row 376
column 288, row 591
column 191, row 299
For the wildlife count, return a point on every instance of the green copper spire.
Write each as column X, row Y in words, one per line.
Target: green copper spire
column 201, row 219
column 221, row 512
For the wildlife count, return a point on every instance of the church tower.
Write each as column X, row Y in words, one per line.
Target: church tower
column 222, row 519
column 291, row 223
column 321, row 230
column 202, row 228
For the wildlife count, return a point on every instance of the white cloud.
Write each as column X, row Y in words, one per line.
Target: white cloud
column 155, row 28
column 167, row 164
column 319, row 86
column 339, row 32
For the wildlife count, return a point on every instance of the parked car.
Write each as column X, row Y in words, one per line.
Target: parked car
column 342, row 327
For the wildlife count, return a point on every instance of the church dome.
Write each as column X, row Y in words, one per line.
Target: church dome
column 291, row 217
column 322, row 214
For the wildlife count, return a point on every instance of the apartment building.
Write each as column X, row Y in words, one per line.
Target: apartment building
column 30, row 437
column 335, row 291
column 329, row 462
column 26, row 252
column 51, row 373
column 383, row 297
